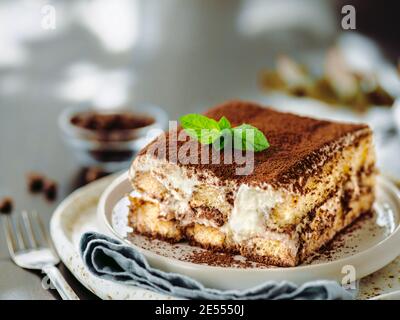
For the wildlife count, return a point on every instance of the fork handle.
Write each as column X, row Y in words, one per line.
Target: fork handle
column 59, row 283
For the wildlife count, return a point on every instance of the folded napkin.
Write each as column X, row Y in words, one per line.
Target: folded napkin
column 110, row 259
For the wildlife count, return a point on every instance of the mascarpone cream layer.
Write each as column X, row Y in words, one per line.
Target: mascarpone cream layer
column 247, row 218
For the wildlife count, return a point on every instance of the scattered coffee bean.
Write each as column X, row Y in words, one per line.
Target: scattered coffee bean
column 50, row 190
column 6, row 205
column 35, row 182
column 111, row 121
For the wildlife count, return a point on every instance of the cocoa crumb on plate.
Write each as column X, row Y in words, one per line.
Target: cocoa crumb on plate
column 220, row 259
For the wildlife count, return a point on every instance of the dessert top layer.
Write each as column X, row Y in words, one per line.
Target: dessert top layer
column 298, row 145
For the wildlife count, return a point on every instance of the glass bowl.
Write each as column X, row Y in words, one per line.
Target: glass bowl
column 110, row 150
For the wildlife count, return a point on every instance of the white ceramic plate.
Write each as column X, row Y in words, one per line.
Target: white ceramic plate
column 77, row 214
column 395, row 295
column 367, row 248
column 74, row 216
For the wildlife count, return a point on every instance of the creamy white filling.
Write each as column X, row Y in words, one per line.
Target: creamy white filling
column 252, row 207
column 174, row 180
column 179, row 187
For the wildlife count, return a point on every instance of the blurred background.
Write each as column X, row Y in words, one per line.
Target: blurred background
column 183, row 56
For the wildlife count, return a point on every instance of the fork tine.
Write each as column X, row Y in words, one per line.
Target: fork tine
column 8, row 231
column 43, row 233
column 28, row 228
column 37, row 229
column 19, row 233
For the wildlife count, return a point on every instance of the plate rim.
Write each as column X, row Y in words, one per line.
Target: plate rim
column 393, row 295
column 69, row 255
column 390, row 239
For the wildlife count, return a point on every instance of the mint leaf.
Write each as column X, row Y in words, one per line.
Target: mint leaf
column 198, row 122
column 207, row 131
column 208, row 136
column 200, row 127
column 219, row 143
column 223, row 140
column 226, row 133
column 247, row 137
column 224, row 123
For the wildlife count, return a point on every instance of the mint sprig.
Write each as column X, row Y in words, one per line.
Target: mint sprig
column 224, row 123
column 200, row 127
column 208, row 131
column 247, row 137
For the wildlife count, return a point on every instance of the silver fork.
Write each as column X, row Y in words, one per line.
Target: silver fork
column 31, row 248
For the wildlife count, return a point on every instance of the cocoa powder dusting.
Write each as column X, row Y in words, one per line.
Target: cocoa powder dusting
column 221, row 259
column 297, row 145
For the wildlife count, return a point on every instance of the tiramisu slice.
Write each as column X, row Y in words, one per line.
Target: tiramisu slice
column 315, row 179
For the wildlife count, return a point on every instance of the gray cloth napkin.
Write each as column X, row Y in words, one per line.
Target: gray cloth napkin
column 110, row 259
